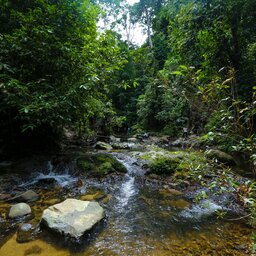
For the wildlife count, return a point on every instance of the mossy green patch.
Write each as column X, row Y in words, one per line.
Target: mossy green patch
column 180, row 164
column 164, row 165
column 100, row 165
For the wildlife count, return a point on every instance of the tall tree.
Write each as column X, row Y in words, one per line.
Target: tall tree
column 145, row 11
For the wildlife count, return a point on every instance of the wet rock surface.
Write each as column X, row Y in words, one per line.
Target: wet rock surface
column 91, row 197
column 102, row 145
column 120, row 145
column 72, row 217
column 27, row 196
column 220, row 156
column 25, row 233
column 19, row 210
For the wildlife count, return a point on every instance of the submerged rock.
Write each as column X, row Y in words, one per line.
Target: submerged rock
column 52, row 201
column 106, row 199
column 73, row 217
column 176, row 203
column 5, row 197
column 27, row 196
column 19, row 210
column 220, row 156
column 25, row 233
column 103, row 145
column 205, row 208
column 170, row 192
column 90, row 197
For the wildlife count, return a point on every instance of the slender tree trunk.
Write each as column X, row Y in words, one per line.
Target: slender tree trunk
column 148, row 28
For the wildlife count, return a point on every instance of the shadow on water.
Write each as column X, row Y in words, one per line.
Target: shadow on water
column 73, row 245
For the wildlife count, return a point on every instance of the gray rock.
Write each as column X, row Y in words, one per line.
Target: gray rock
column 25, row 233
column 27, row 196
column 103, row 145
column 72, row 217
column 19, row 210
column 220, row 156
column 120, row 146
column 25, row 227
column 134, row 140
column 113, row 139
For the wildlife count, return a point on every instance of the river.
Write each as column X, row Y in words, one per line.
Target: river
column 141, row 219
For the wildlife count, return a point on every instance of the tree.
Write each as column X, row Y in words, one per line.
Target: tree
column 145, row 11
column 54, row 65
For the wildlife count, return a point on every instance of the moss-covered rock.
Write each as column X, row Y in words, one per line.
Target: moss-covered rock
column 164, row 165
column 120, row 145
column 103, row 145
column 220, row 156
column 93, row 197
column 99, row 165
column 180, row 164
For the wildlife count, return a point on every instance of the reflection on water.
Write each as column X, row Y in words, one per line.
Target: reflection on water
column 141, row 220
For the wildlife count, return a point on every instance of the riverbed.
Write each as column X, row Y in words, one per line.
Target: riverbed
column 141, row 219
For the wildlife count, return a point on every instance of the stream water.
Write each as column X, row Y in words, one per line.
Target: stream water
column 141, row 219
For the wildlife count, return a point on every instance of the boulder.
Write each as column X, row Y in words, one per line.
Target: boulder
column 99, row 165
column 134, row 140
column 73, row 218
column 27, row 196
column 220, row 156
column 19, row 210
column 113, row 139
column 102, row 145
column 120, row 146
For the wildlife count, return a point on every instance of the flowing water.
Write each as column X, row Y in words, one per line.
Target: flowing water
column 140, row 219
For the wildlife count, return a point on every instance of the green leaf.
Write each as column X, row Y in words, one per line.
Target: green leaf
column 177, row 73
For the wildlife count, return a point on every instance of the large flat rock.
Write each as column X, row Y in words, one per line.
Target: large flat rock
column 73, row 217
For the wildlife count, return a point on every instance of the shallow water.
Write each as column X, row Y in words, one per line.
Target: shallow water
column 141, row 220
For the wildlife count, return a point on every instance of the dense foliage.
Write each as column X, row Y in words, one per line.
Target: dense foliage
column 196, row 70
column 200, row 72
column 55, row 66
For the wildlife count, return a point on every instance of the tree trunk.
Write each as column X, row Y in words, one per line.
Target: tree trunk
column 148, row 28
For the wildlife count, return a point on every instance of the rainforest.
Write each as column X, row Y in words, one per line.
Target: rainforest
column 128, row 127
